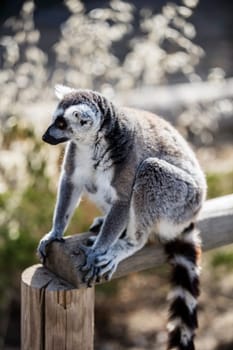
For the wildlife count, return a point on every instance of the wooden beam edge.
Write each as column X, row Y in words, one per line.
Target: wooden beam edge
column 215, row 223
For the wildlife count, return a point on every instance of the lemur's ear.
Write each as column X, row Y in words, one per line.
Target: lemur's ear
column 62, row 90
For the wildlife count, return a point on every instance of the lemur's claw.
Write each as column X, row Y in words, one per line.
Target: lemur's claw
column 84, row 268
column 87, row 281
column 90, row 277
column 41, row 257
column 41, row 253
column 41, row 250
column 44, row 242
column 98, row 264
column 86, row 251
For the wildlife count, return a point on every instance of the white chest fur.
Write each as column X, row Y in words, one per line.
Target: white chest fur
column 100, row 190
column 96, row 182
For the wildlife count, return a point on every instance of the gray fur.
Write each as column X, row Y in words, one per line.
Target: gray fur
column 153, row 181
column 146, row 179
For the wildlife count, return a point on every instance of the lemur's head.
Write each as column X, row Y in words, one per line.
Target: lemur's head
column 77, row 116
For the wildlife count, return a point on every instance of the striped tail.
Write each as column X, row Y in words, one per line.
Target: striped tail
column 184, row 255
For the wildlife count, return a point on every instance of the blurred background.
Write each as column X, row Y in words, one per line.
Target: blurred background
column 170, row 57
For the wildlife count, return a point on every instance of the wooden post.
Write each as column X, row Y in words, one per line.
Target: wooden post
column 54, row 315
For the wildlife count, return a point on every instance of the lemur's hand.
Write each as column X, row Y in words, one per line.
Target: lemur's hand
column 44, row 242
column 99, row 263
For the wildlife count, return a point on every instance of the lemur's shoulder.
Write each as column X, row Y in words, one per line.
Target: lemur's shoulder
column 156, row 137
column 146, row 118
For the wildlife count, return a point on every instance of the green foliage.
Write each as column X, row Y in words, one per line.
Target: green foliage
column 219, row 184
column 223, row 258
column 108, row 289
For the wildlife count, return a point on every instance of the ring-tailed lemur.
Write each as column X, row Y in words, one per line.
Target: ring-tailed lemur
column 145, row 178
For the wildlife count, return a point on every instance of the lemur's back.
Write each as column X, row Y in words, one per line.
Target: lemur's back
column 155, row 137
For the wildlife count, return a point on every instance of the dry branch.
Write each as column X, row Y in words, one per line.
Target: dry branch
column 215, row 222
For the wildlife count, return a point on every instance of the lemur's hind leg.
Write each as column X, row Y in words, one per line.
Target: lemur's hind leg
column 165, row 199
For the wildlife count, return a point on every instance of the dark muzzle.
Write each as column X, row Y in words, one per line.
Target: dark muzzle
column 51, row 139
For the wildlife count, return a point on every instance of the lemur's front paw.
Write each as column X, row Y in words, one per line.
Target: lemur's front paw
column 98, row 264
column 44, row 242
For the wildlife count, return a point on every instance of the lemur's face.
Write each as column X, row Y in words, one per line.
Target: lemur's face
column 71, row 121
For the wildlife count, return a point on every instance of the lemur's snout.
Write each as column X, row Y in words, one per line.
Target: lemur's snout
column 47, row 137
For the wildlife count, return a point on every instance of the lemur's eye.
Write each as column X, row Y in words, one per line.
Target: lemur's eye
column 60, row 123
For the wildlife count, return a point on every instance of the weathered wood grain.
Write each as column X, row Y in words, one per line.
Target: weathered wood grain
column 54, row 315
column 215, row 222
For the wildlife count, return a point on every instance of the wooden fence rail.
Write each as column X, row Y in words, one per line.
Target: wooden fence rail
column 58, row 312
